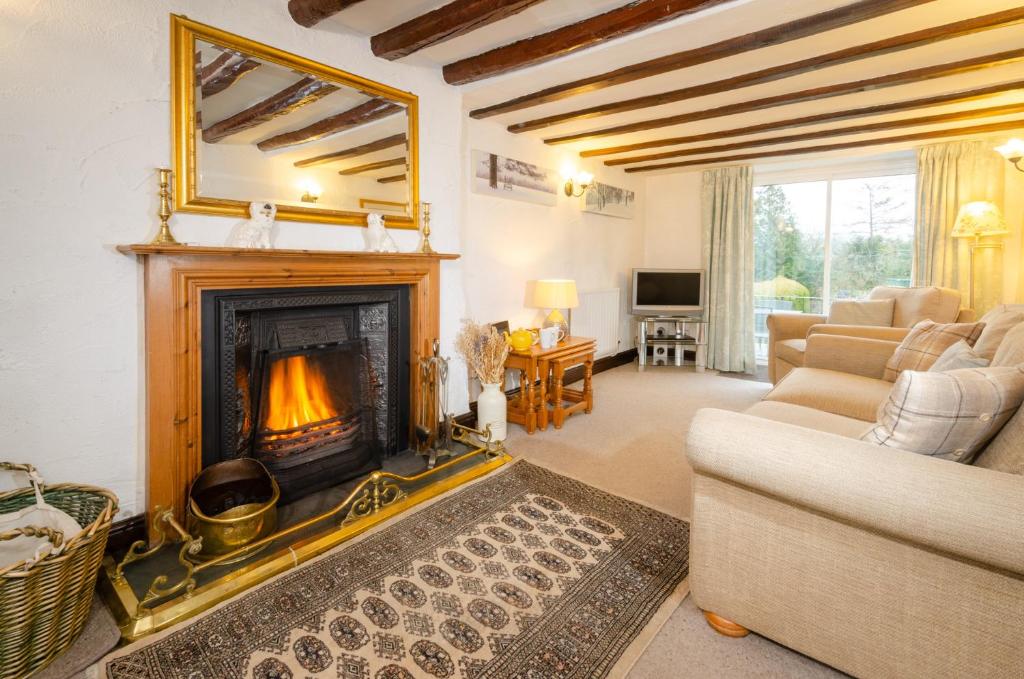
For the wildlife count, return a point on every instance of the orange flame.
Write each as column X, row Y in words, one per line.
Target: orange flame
column 297, row 395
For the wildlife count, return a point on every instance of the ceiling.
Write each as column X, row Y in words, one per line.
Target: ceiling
column 723, row 21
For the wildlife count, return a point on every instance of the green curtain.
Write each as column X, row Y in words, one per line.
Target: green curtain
column 948, row 176
column 727, row 215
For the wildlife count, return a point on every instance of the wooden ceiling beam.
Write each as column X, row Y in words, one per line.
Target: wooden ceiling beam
column 813, row 94
column 873, row 49
column 900, row 139
column 227, row 74
column 635, row 16
column 374, row 109
column 303, row 92
column 361, row 150
column 370, row 167
column 444, row 23
column 973, row 114
column 393, row 179
column 309, row 13
column 960, row 97
column 774, row 35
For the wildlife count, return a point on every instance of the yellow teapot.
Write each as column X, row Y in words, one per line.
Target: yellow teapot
column 522, row 339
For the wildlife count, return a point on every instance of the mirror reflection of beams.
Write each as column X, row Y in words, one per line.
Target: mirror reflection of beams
column 265, row 131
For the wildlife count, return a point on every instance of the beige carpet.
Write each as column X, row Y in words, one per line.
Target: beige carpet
column 633, row 445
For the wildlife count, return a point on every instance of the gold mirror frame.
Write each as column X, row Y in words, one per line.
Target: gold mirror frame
column 184, row 33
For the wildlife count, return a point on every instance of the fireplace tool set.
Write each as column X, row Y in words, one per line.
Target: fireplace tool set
column 232, row 515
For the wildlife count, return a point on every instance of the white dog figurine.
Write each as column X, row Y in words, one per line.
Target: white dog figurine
column 377, row 237
column 256, row 232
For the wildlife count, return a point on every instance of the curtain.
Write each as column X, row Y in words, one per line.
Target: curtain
column 727, row 216
column 948, row 176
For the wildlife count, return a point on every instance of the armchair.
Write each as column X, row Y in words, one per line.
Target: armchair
column 788, row 333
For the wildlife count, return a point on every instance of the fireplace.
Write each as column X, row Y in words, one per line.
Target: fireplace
column 178, row 346
column 312, row 382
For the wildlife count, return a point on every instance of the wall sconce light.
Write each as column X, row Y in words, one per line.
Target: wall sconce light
column 311, row 191
column 1013, row 151
column 578, row 183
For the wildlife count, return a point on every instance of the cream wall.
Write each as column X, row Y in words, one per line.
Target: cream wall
column 508, row 243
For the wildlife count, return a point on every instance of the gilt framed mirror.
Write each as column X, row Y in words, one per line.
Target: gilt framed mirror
column 255, row 123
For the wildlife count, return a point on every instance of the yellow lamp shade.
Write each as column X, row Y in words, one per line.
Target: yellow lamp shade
column 978, row 219
column 1012, row 150
column 555, row 294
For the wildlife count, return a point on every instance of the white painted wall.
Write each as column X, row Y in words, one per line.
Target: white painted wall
column 85, row 121
column 672, row 221
column 507, row 243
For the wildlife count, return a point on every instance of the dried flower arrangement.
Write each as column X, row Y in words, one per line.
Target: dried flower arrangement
column 483, row 349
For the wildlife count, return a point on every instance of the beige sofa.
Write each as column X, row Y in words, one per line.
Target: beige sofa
column 876, row 561
column 788, row 332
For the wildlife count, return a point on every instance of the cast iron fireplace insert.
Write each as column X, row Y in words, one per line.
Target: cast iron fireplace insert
column 313, row 382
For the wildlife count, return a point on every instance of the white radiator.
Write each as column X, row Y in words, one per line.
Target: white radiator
column 598, row 316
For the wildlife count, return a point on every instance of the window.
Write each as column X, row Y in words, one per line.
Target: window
column 819, row 241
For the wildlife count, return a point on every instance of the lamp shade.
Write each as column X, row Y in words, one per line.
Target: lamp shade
column 980, row 218
column 555, row 294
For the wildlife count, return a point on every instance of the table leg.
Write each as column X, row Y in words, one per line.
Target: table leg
column 558, row 414
column 526, row 392
column 701, row 357
column 588, row 385
column 542, row 406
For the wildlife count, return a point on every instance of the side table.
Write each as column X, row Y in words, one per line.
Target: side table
column 530, row 407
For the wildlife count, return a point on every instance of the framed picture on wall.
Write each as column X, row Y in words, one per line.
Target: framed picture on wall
column 496, row 175
column 608, row 200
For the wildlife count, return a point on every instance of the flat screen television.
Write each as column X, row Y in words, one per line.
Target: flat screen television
column 669, row 292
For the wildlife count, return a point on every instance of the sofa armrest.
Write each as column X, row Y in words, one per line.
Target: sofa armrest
column 964, row 511
column 967, row 316
column 855, row 355
column 786, row 326
column 877, row 332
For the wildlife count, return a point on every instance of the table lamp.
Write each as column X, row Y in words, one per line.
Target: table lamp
column 556, row 294
column 977, row 220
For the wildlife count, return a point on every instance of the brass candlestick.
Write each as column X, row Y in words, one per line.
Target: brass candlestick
column 425, row 245
column 164, row 236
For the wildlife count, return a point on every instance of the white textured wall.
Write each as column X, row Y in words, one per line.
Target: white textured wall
column 84, row 120
column 508, row 243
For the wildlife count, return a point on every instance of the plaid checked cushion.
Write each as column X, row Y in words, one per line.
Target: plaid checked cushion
column 950, row 415
column 925, row 343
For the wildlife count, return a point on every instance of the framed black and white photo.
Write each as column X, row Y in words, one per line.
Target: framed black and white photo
column 612, row 201
column 510, row 178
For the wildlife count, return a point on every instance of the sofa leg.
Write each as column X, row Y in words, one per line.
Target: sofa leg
column 725, row 627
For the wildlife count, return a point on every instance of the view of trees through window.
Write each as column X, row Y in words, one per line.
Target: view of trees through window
column 815, row 242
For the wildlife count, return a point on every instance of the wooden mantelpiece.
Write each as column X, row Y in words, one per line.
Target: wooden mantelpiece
column 176, row 277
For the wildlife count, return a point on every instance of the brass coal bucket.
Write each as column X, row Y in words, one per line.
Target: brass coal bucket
column 231, row 504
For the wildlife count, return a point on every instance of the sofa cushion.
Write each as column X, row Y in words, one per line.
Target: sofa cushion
column 997, row 324
column 1006, row 451
column 811, row 418
column 833, row 392
column 925, row 343
column 862, row 312
column 1011, row 349
column 958, row 357
column 949, row 415
column 913, row 305
column 792, row 351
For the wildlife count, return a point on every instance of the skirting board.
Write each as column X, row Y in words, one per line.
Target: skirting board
column 126, row 531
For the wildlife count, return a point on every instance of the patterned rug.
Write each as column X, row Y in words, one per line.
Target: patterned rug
column 523, row 574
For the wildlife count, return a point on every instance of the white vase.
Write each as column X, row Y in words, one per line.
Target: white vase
column 492, row 409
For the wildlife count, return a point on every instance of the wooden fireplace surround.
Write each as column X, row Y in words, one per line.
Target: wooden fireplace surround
column 176, row 277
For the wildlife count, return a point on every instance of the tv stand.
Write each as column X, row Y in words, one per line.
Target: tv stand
column 678, row 333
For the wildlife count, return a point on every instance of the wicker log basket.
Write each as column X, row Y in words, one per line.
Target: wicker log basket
column 44, row 605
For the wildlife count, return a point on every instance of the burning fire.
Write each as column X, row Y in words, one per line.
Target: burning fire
column 297, row 395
